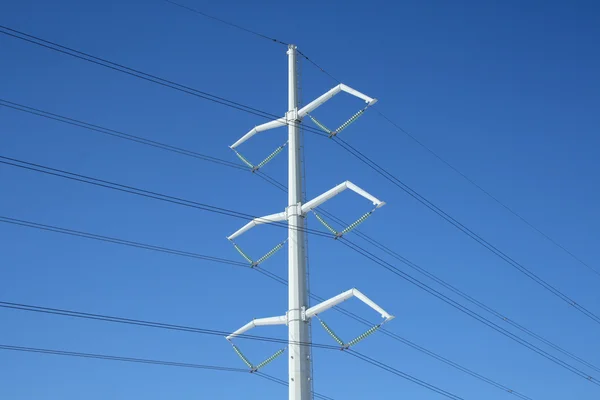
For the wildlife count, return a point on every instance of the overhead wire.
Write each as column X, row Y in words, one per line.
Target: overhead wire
column 137, row 139
column 140, row 192
column 130, row 243
column 490, row 195
column 280, row 186
column 146, row 76
column 476, row 237
column 137, row 322
column 387, row 266
column 268, row 274
column 319, row 67
column 196, row 11
column 468, row 311
column 146, row 361
column 346, row 146
column 462, row 294
column 118, row 358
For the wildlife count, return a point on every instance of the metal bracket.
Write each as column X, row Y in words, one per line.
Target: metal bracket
column 294, row 209
column 292, row 115
column 303, row 314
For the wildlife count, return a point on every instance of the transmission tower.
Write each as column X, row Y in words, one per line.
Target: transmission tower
column 299, row 313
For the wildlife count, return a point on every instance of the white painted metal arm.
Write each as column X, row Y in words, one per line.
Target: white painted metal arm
column 317, row 201
column 258, row 221
column 260, row 128
column 281, row 320
column 340, row 298
column 319, row 101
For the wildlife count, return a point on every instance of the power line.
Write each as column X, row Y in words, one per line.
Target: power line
column 137, row 139
column 488, row 194
column 107, row 318
column 255, row 33
column 460, row 293
column 145, row 76
column 139, row 192
column 114, row 240
column 373, row 258
column 386, row 174
column 118, row 134
column 282, row 187
column 467, row 311
column 227, row 23
column 268, row 274
column 145, row 361
column 118, row 358
column 87, row 60
column 403, row 375
column 503, row 256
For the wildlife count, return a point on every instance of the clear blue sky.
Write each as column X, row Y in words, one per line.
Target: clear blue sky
column 508, row 92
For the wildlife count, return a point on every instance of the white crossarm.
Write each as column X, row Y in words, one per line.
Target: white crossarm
column 258, row 221
column 260, row 128
column 280, row 320
column 340, row 298
column 319, row 101
column 317, row 201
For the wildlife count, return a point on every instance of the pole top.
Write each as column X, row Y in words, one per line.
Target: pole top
column 291, row 48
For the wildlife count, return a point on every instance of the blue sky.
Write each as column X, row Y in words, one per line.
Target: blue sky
column 505, row 91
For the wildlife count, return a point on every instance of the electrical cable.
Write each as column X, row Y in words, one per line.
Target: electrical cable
column 493, row 249
column 140, row 192
column 145, row 361
column 146, row 76
column 227, row 22
column 410, row 279
column 386, row 174
column 137, row 322
column 305, row 56
column 460, row 293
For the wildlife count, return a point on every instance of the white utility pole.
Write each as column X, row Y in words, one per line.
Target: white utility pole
column 299, row 314
column 299, row 354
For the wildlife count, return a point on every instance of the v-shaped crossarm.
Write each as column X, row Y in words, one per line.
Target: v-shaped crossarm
column 293, row 117
column 280, row 320
column 268, row 219
column 331, row 193
column 340, row 298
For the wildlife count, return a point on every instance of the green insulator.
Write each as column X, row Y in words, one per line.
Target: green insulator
column 244, row 160
column 269, row 254
column 356, row 223
column 242, row 356
column 243, row 254
column 270, row 359
column 320, row 125
column 325, row 224
column 269, row 158
column 333, row 335
column 363, row 336
column 347, row 123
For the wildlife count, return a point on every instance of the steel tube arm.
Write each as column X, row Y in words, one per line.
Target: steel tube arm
column 340, row 298
column 319, row 101
column 281, row 320
column 317, row 201
column 260, row 128
column 258, row 221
